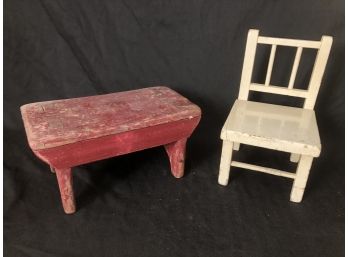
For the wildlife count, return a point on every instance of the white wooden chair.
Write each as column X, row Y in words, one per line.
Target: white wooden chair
column 276, row 127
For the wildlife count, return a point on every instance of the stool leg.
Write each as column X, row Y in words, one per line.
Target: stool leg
column 65, row 182
column 300, row 181
column 176, row 152
column 225, row 163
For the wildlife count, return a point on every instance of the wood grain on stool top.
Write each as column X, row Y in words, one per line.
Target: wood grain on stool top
column 55, row 123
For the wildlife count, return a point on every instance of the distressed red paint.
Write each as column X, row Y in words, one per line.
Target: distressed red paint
column 65, row 184
column 176, row 152
column 67, row 133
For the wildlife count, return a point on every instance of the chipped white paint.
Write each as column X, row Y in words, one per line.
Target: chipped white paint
column 236, row 146
column 295, row 67
column 300, row 181
column 318, row 71
column 270, row 65
column 248, row 64
column 289, row 42
column 278, row 90
column 225, row 163
column 276, row 127
column 258, row 168
column 271, row 126
column 294, row 157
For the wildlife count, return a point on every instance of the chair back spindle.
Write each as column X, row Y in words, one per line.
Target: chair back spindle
column 310, row 95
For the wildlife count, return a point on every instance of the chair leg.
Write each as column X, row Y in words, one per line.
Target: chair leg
column 65, row 182
column 176, row 152
column 236, row 146
column 294, row 157
column 300, row 181
column 225, row 163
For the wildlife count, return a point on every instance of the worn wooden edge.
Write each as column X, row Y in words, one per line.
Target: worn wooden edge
column 26, row 125
column 25, row 106
column 61, row 150
column 91, row 96
column 29, row 131
column 269, row 143
column 43, row 147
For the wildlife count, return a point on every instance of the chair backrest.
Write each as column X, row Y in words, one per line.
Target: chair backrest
column 310, row 95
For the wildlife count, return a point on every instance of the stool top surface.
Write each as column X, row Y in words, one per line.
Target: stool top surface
column 59, row 122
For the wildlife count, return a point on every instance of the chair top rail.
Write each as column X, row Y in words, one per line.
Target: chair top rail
column 323, row 49
column 289, row 42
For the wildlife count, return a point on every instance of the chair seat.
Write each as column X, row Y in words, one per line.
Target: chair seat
column 272, row 126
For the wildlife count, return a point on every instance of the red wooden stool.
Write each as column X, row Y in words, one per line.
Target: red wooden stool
column 67, row 133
